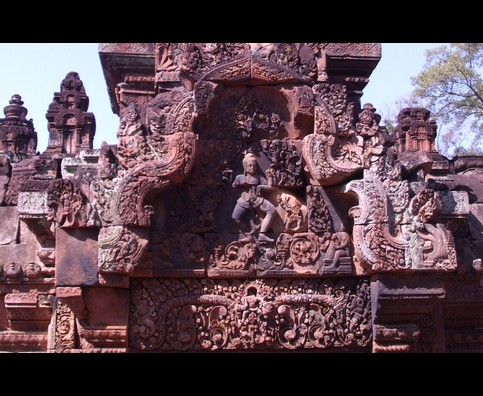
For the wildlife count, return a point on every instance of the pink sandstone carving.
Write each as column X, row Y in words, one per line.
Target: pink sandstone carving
column 251, row 202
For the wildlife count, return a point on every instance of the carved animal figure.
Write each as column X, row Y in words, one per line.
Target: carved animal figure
column 294, row 218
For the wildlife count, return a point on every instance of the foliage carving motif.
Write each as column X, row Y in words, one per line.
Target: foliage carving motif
column 248, row 315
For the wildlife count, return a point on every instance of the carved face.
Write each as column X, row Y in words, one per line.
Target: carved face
column 251, row 167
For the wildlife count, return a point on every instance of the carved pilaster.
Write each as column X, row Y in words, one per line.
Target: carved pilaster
column 62, row 329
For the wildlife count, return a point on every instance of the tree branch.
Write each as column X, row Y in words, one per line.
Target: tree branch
column 469, row 85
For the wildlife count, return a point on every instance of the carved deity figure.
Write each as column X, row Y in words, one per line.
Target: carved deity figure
column 249, row 304
column 338, row 247
column 131, row 140
column 251, row 197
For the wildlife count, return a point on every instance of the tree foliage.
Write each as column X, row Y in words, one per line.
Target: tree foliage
column 390, row 112
column 451, row 87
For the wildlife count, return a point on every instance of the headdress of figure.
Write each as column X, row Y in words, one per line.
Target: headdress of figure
column 248, row 158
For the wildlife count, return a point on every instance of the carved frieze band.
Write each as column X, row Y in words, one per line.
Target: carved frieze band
column 169, row 314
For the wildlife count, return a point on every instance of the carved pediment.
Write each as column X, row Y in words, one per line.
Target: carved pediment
column 251, row 202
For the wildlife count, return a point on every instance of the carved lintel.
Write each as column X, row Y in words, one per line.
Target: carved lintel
column 402, row 332
column 72, row 297
column 415, row 287
column 399, row 348
column 101, row 350
column 171, row 314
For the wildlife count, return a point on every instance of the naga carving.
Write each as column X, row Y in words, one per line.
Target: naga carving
column 154, row 156
column 419, row 241
column 339, row 147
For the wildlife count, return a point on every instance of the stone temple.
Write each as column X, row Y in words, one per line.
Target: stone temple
column 250, row 203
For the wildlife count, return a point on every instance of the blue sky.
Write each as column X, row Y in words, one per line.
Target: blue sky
column 35, row 71
column 391, row 79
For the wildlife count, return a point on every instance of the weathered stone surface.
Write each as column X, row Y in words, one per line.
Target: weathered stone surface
column 32, row 204
column 475, row 221
column 9, row 229
column 20, row 253
column 107, row 306
column 76, row 261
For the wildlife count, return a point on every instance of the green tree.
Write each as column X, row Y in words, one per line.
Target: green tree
column 451, row 87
